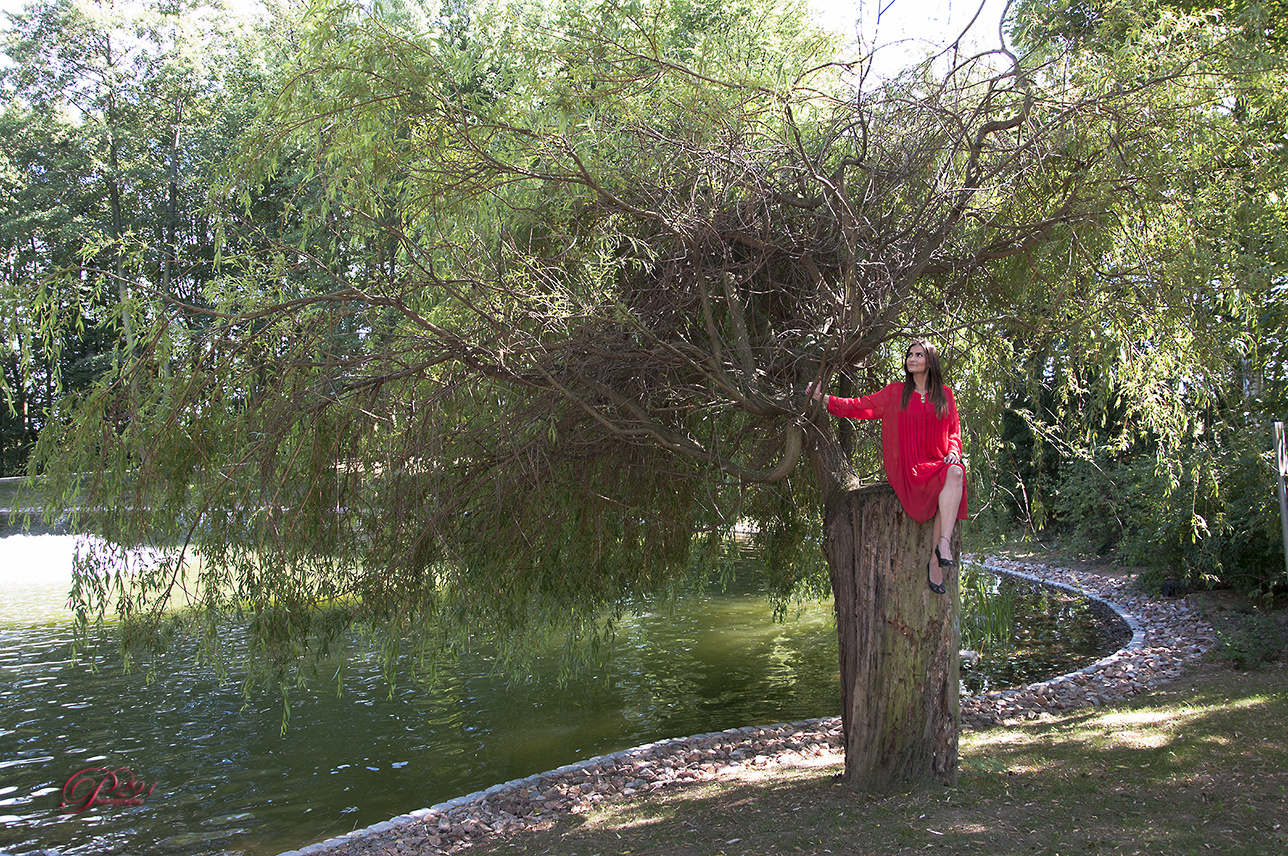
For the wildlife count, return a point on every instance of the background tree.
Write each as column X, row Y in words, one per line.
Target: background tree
column 115, row 120
column 1180, row 481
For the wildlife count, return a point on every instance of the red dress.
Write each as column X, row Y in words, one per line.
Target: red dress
column 914, row 443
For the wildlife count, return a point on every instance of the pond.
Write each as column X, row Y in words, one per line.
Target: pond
column 1052, row 632
column 228, row 781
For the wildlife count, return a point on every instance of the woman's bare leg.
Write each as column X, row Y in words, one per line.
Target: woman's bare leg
column 950, row 499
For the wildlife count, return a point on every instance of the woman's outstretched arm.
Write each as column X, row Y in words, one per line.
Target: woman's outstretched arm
column 871, row 406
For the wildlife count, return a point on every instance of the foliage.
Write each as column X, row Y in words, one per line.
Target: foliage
column 112, row 124
column 515, row 308
column 1256, row 639
column 1163, row 459
column 1203, row 507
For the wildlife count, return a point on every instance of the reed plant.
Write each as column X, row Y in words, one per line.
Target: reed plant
column 987, row 610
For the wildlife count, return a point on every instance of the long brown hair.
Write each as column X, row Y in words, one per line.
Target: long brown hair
column 934, row 378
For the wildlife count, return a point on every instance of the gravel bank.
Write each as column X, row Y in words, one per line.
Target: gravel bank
column 1166, row 636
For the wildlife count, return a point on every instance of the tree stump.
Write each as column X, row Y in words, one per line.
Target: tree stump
column 898, row 644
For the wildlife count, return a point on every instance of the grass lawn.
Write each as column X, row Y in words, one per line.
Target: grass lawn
column 1199, row 766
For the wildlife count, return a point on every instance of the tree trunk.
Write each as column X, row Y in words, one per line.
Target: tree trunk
column 898, row 644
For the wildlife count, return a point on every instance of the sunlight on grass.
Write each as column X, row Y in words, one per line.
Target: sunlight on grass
column 1155, row 728
column 628, row 821
column 1140, row 718
column 1145, row 728
column 1170, row 717
column 986, row 739
column 1195, row 768
column 673, row 806
column 628, row 815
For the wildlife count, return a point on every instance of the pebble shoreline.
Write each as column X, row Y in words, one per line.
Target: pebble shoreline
column 1166, row 636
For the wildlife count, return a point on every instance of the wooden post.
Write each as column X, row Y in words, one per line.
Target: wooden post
column 1281, row 458
column 898, row 645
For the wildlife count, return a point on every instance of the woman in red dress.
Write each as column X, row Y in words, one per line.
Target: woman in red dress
column 921, row 447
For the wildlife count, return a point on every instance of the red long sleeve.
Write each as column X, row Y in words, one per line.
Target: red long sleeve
column 914, row 443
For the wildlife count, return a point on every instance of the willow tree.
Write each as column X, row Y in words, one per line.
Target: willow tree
column 544, row 340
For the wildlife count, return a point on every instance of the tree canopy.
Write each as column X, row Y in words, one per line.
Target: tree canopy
column 511, row 309
column 111, row 120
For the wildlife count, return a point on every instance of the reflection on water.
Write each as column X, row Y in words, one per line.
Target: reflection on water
column 228, row 781
column 1054, row 632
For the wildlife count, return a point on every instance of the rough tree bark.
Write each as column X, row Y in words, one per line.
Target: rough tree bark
column 898, row 644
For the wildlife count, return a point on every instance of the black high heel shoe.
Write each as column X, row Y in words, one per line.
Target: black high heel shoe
column 943, row 563
column 937, row 588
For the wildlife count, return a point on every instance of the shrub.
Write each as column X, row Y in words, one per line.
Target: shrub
column 1256, row 638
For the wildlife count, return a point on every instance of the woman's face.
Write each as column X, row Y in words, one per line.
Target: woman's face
column 915, row 361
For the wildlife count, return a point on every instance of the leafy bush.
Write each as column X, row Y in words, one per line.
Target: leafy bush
column 1256, row 639
column 1203, row 511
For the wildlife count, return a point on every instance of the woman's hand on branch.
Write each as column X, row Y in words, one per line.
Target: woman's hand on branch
column 815, row 393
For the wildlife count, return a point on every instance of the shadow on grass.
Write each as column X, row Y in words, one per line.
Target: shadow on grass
column 1198, row 767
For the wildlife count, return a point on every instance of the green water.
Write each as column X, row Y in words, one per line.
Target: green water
column 228, row 781
column 1053, row 632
